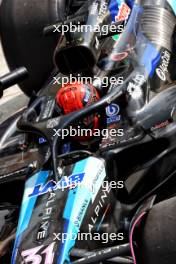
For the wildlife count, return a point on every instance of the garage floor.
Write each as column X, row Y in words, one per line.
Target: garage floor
column 13, row 98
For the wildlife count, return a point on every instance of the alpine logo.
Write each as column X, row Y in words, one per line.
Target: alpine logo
column 163, row 68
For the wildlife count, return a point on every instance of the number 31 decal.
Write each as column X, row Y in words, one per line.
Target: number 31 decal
column 39, row 254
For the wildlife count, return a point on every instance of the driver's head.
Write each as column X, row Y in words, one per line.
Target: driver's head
column 75, row 96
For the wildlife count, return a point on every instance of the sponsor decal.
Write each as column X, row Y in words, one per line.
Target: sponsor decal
column 162, row 70
column 161, row 125
column 97, row 181
column 48, row 110
column 66, row 182
column 161, row 74
column 102, row 12
column 53, row 122
column 42, row 140
column 119, row 11
column 97, row 210
column 124, row 12
column 79, row 216
column 134, row 86
column 80, row 198
column 94, row 9
column 113, row 119
column 134, row 91
column 112, row 112
column 44, row 226
column 101, row 203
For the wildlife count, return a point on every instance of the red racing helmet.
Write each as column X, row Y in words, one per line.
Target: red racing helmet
column 75, row 96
